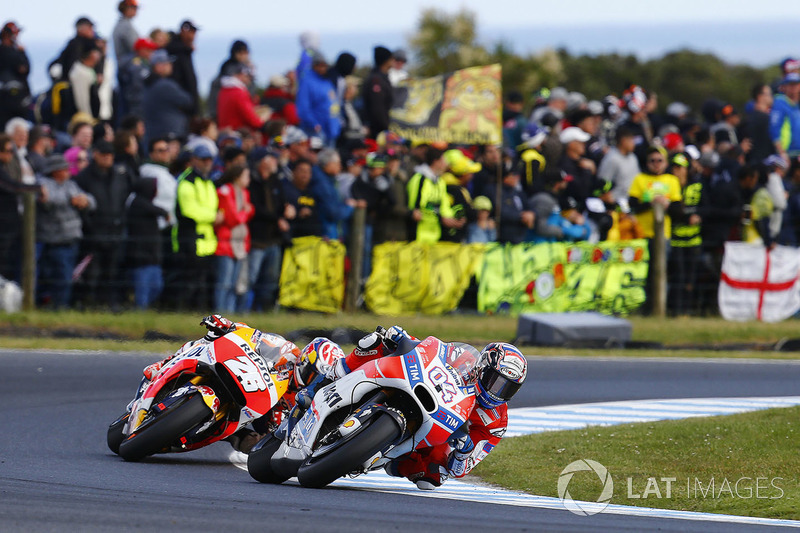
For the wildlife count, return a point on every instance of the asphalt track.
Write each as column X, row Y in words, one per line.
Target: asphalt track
column 56, row 473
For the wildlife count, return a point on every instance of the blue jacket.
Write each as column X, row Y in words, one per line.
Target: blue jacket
column 332, row 210
column 318, row 107
column 784, row 123
column 166, row 106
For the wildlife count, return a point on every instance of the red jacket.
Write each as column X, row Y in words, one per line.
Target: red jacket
column 233, row 218
column 235, row 108
column 282, row 104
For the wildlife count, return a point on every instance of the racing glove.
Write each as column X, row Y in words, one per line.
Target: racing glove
column 217, row 326
column 457, row 464
column 393, row 336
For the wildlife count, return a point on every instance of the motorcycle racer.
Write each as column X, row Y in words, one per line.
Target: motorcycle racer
column 500, row 373
column 317, row 357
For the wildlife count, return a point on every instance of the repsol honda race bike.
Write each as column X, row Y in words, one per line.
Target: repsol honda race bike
column 419, row 397
column 204, row 395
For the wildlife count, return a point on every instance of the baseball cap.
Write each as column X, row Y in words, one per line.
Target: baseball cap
column 728, row 110
column 161, row 56
column 188, row 25
column 84, row 20
column 776, row 160
column 482, row 203
column 680, row 160
column 278, row 80
column 573, row 134
column 376, row 160
column 533, row 136
column 460, row 164
column 294, row 135
column 791, row 77
column 143, row 43
column 201, row 151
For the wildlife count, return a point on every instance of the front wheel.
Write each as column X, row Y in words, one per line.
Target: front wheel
column 316, row 472
column 259, row 458
column 114, row 437
column 165, row 429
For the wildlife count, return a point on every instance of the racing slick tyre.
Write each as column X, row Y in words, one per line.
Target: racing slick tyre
column 258, row 461
column 167, row 428
column 115, row 437
column 316, row 472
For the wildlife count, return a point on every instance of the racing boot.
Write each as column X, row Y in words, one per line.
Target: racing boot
column 244, row 440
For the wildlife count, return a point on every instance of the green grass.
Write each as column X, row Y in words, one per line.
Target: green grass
column 761, row 444
column 126, row 331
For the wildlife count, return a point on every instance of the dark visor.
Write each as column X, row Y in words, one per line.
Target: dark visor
column 498, row 385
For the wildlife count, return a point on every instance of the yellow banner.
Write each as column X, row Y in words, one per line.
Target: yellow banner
column 312, row 276
column 409, row 278
column 461, row 107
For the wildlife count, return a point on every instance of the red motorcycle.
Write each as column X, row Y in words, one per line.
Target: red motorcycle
column 204, row 395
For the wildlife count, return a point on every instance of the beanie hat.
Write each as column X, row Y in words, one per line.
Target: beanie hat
column 382, row 55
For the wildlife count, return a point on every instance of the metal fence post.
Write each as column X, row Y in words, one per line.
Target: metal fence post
column 356, row 253
column 658, row 262
column 29, row 251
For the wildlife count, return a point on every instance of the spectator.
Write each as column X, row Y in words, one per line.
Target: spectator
column 514, row 122
column 41, row 143
column 757, row 209
column 59, row 231
column 534, row 163
column 485, row 180
column 790, row 233
column 10, row 217
column 84, row 39
column 82, row 135
column 298, row 195
column 392, row 225
column 398, row 73
column 634, row 103
column 20, row 169
column 784, row 118
column 516, row 215
column 776, row 169
column 181, row 47
column 374, row 189
column 460, row 170
column 342, row 68
column 376, row 93
column 317, row 106
column 309, row 42
column 145, row 248
column 235, row 108
column 240, row 55
column 133, row 71
column 551, row 223
column 124, row 34
column 157, row 168
column 552, row 113
column 353, row 128
column 84, row 82
column 14, row 70
column 233, row 236
column 110, row 185
column 655, row 186
column 620, row 165
column 160, row 37
column 77, row 158
column 428, row 200
column 483, row 229
column 278, row 98
column 165, row 104
column 193, row 239
column 756, row 124
column 203, row 130
column 724, row 131
column 334, row 211
column 686, row 241
column 269, row 229
column 582, row 169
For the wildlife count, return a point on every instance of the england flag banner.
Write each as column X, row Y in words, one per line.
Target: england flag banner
column 757, row 283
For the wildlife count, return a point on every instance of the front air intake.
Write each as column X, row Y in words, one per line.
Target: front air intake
column 425, row 399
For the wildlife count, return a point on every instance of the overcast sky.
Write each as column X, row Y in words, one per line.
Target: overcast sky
column 53, row 19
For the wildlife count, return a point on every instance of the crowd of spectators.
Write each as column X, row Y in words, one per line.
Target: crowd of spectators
column 147, row 195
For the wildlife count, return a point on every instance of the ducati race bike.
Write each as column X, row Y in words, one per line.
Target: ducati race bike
column 386, row 408
column 204, row 395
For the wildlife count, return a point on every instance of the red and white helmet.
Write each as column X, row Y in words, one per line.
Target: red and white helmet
column 318, row 356
column 503, row 369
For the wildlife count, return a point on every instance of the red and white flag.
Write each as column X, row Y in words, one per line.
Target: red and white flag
column 757, row 283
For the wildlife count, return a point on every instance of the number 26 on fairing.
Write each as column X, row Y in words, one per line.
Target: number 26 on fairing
column 248, row 373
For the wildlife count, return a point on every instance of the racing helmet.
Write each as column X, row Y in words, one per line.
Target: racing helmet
column 503, row 369
column 318, row 356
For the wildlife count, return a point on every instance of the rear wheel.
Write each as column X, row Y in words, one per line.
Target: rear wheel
column 258, row 461
column 114, row 437
column 165, row 429
column 317, row 472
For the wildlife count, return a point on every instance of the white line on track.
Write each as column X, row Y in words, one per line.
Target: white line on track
column 539, row 419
